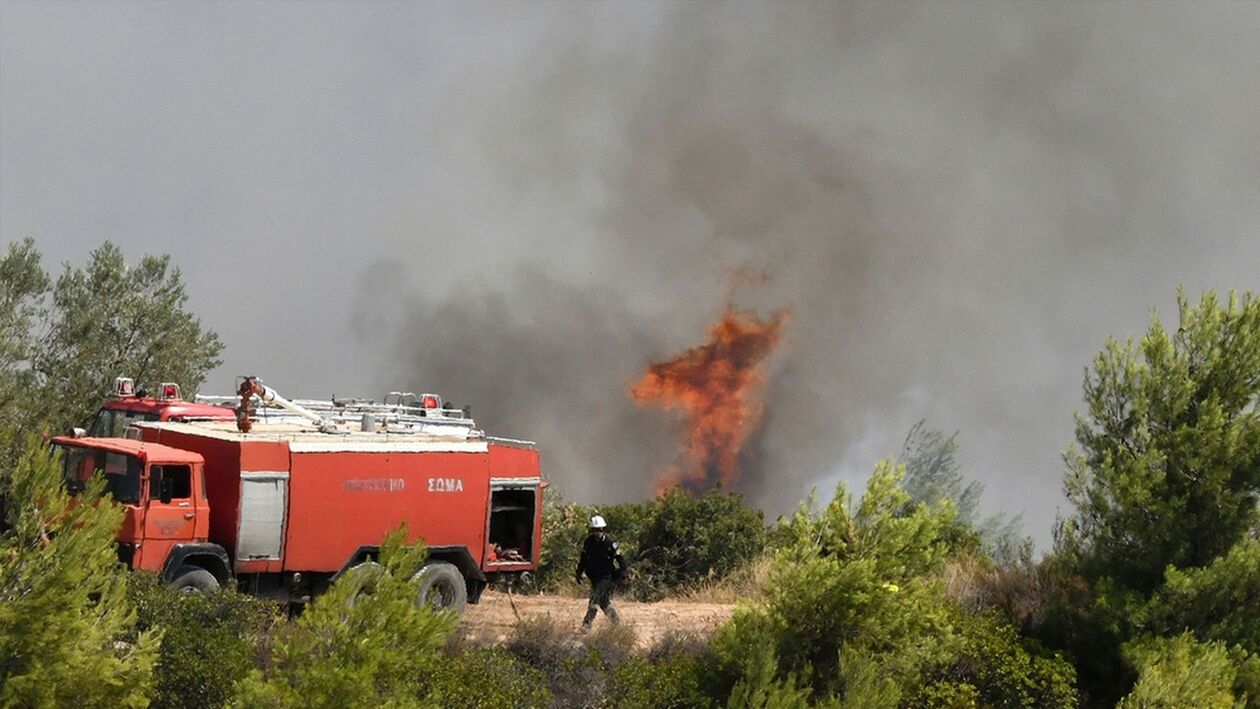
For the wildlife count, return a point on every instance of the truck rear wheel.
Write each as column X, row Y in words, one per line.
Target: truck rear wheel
column 441, row 586
column 194, row 579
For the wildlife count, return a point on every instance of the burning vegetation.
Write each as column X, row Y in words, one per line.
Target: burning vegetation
column 717, row 387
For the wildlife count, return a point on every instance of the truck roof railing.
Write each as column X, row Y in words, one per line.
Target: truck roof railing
column 398, row 415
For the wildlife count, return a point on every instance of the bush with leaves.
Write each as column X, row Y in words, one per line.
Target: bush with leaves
column 603, row 668
column 852, row 579
column 67, row 627
column 1002, row 670
column 674, row 681
column 688, row 539
column 676, row 672
column 578, row 671
column 673, row 543
column 488, row 677
column 209, row 640
column 855, row 614
column 366, row 642
column 563, row 529
column 1180, row 672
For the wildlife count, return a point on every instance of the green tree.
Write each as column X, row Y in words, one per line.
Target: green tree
column 67, row 626
column 1167, row 468
column 932, row 470
column 1216, row 602
column 23, row 284
column 367, row 642
column 63, row 342
column 110, row 319
column 933, row 475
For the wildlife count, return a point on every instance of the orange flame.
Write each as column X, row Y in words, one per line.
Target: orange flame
column 717, row 388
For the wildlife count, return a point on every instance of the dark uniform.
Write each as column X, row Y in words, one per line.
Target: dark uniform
column 603, row 564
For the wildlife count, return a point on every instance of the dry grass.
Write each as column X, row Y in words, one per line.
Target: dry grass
column 970, row 582
column 747, row 583
column 1022, row 592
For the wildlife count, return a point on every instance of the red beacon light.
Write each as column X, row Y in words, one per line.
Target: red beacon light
column 124, row 387
column 168, row 391
column 431, row 401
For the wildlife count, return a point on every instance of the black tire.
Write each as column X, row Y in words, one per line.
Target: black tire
column 441, row 586
column 194, row 579
column 363, row 576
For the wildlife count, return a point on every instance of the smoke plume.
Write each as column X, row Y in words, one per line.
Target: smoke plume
column 522, row 206
column 955, row 202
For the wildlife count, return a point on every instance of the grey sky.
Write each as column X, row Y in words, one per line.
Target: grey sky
column 520, row 205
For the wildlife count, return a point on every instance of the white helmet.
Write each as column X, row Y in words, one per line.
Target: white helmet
column 598, row 522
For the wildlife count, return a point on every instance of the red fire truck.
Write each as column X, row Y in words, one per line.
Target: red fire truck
column 287, row 498
column 127, row 405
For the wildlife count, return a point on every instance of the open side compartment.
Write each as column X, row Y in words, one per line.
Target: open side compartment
column 512, row 510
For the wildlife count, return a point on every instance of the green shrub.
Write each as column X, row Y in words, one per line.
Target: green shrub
column 67, row 626
column 672, row 544
column 603, row 668
column 486, row 677
column 948, row 695
column 1247, row 681
column 575, row 674
column 365, row 643
column 1180, row 672
column 675, row 680
column 563, row 529
column 209, row 641
column 687, row 539
column 540, row 641
column 565, row 526
column 1000, row 670
column 762, row 686
column 856, row 579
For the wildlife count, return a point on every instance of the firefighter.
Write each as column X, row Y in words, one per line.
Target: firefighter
column 604, row 566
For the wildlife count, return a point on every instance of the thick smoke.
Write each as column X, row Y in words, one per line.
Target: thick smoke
column 521, row 206
column 958, row 203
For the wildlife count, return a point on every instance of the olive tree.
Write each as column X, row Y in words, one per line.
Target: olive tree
column 66, row 339
column 23, row 284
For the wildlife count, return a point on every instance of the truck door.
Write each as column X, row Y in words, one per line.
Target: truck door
column 514, row 510
column 170, row 517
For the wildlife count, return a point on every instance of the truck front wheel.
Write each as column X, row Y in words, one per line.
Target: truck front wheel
column 441, row 586
column 363, row 577
column 194, row 579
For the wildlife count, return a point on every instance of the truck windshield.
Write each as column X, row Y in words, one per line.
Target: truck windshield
column 122, row 472
column 112, row 423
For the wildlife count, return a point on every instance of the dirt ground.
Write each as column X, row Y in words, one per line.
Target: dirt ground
column 490, row 621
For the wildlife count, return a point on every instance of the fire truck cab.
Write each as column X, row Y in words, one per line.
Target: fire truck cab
column 127, row 405
column 161, row 489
